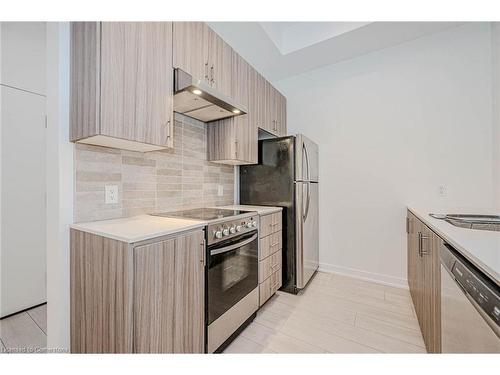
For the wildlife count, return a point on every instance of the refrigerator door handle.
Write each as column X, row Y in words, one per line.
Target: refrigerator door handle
column 306, row 158
column 308, row 177
column 308, row 201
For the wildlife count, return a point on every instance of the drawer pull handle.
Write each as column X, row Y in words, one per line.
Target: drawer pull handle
column 274, row 244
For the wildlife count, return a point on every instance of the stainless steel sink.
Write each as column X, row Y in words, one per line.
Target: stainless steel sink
column 471, row 221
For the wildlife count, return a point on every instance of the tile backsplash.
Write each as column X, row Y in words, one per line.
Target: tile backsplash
column 179, row 178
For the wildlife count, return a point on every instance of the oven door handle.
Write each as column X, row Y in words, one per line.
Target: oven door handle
column 234, row 246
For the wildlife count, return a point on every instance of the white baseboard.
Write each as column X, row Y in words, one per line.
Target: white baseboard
column 366, row 276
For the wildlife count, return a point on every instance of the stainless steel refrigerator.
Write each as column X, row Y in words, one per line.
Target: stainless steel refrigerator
column 287, row 176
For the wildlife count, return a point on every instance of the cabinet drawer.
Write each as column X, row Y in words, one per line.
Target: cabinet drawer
column 269, row 286
column 276, row 280
column 270, row 224
column 264, row 291
column 269, row 265
column 270, row 244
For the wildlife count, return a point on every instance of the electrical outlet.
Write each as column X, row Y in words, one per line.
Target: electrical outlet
column 442, row 191
column 220, row 190
column 111, row 194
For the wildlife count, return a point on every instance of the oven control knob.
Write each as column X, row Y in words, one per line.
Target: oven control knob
column 225, row 231
column 254, row 223
column 238, row 228
column 249, row 224
column 218, row 234
column 232, row 229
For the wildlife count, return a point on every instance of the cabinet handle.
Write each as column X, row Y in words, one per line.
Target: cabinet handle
column 236, row 149
column 408, row 225
column 202, row 245
column 421, row 239
column 168, row 129
column 212, row 81
column 206, row 71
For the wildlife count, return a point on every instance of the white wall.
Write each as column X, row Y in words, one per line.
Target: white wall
column 392, row 126
column 496, row 111
column 59, row 186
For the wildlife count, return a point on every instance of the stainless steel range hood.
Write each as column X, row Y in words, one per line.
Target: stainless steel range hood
column 197, row 99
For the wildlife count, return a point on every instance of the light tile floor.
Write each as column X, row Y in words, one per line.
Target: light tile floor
column 334, row 314
column 25, row 332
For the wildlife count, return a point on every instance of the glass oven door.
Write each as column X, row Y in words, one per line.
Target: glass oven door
column 232, row 272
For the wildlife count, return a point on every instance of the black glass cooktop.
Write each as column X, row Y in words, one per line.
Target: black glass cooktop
column 203, row 213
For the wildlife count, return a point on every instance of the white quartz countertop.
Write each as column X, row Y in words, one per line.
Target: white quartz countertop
column 261, row 210
column 481, row 247
column 138, row 228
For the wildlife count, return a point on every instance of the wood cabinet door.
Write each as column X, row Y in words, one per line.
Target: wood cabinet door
column 188, row 48
column 223, row 69
column 253, row 113
column 102, row 296
column 245, row 130
column 154, row 297
column 261, row 100
column 169, row 295
column 137, row 81
column 189, row 294
column 431, row 291
column 425, row 313
column 415, row 266
column 281, row 114
column 412, row 255
column 270, row 114
column 424, row 280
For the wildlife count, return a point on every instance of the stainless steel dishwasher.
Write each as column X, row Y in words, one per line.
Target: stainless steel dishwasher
column 470, row 307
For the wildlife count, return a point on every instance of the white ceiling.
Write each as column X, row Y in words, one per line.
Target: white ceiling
column 279, row 50
column 292, row 36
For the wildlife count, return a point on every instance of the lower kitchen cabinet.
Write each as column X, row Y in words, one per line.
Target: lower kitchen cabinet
column 137, row 298
column 424, row 280
column 270, row 255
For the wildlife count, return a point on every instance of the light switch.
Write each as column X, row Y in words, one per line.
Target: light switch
column 220, row 190
column 111, row 194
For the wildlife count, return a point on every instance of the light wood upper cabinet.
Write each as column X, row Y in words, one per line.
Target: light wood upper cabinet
column 424, row 280
column 234, row 140
column 272, row 116
column 189, row 51
column 222, row 66
column 121, row 84
column 141, row 298
column 281, row 115
column 199, row 51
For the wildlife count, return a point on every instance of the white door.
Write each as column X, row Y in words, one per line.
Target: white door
column 23, row 189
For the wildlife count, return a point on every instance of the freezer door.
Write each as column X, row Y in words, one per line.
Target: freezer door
column 306, row 155
column 307, row 220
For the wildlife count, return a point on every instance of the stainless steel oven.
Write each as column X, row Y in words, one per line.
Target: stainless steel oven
column 232, row 284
